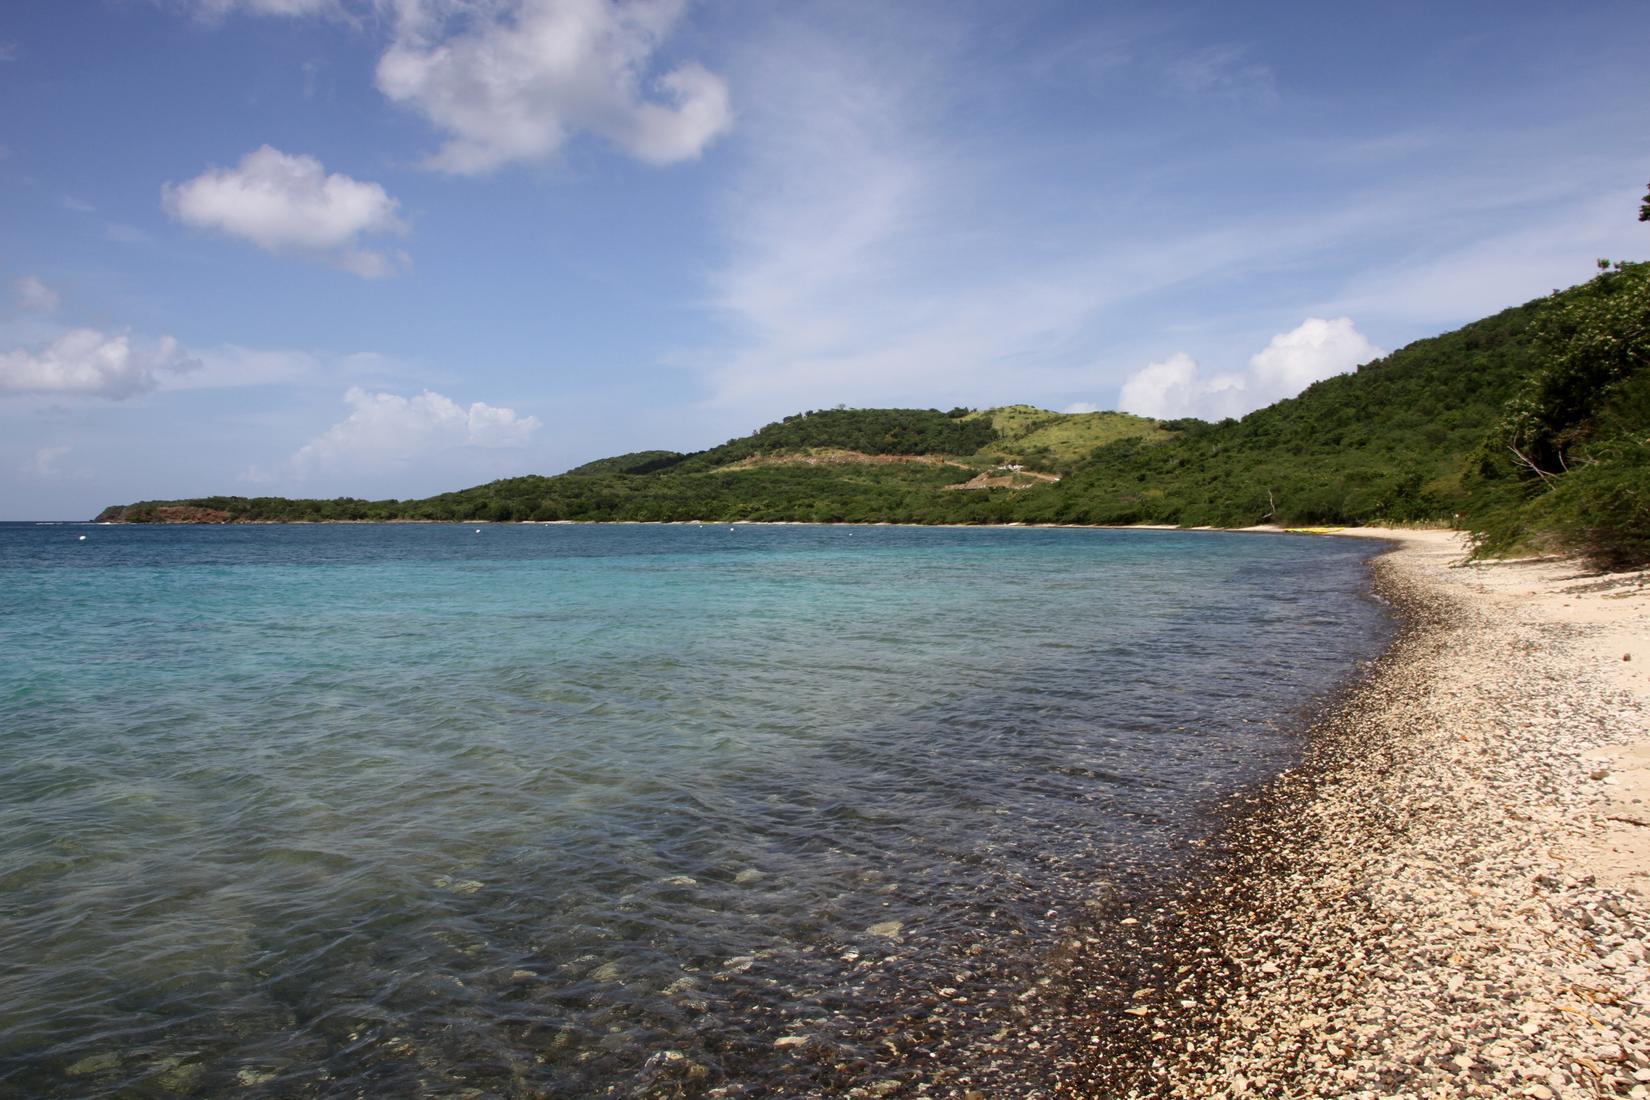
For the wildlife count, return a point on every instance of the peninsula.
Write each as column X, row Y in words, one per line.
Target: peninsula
column 1526, row 428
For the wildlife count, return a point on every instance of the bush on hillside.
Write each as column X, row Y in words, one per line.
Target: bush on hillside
column 1567, row 467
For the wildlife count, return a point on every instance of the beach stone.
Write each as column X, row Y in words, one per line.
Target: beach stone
column 1409, row 912
column 102, row 1062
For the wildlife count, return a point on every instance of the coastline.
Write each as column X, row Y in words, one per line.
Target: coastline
column 1449, row 896
column 1457, row 858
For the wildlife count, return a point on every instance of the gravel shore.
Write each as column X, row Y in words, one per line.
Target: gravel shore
column 1448, row 897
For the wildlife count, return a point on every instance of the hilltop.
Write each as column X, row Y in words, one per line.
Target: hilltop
column 1529, row 425
column 829, row 465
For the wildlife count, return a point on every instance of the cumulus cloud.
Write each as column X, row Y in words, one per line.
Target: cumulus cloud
column 1176, row 387
column 282, row 202
column 518, row 83
column 386, row 429
column 1314, row 350
column 32, row 294
column 96, row 364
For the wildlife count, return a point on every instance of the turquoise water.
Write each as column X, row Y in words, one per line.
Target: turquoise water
column 576, row 811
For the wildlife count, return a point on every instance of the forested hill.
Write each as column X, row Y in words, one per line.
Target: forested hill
column 1426, row 433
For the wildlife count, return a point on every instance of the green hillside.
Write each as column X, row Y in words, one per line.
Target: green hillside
column 636, row 462
column 1567, row 465
column 1391, row 441
column 1531, row 425
column 1058, row 442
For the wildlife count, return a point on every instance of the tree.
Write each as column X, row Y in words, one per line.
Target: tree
column 1644, row 208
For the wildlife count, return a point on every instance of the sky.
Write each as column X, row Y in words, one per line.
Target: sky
column 398, row 247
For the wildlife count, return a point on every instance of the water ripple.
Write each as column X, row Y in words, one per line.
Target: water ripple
column 601, row 811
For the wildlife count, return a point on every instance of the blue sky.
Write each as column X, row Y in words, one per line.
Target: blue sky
column 397, row 247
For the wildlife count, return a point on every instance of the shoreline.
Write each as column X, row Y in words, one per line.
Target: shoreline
column 1448, row 896
column 1388, row 533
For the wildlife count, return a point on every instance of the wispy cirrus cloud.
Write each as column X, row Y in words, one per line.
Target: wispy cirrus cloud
column 1485, row 273
column 212, row 10
column 1226, row 71
column 34, row 295
column 877, row 253
column 874, row 258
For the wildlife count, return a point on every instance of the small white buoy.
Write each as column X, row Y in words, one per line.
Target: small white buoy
column 478, row 530
column 82, row 538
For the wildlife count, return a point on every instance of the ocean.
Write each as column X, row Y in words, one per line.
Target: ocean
column 569, row 811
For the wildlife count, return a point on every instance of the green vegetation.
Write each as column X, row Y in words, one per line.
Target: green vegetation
column 1060, row 442
column 1389, row 442
column 1427, row 434
column 1568, row 464
column 867, row 431
column 636, row 462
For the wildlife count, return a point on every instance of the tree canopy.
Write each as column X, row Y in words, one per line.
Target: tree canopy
column 1532, row 427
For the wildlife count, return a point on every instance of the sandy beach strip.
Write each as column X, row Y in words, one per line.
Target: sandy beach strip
column 1449, row 896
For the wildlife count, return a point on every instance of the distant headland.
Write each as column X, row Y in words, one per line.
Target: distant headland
column 1526, row 428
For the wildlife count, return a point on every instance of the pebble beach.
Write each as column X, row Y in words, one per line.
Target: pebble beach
column 1448, row 897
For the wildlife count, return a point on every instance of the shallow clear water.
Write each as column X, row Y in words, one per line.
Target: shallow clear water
column 573, row 811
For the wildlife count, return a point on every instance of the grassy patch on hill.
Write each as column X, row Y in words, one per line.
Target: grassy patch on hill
column 1058, row 442
column 1425, row 434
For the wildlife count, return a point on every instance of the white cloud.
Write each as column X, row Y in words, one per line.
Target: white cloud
column 230, row 366
column 32, row 294
column 873, row 259
column 8, row 51
column 1451, row 285
column 1081, row 407
column 92, row 363
column 43, row 463
column 1314, row 350
column 874, row 255
column 284, row 202
column 517, row 82
column 218, row 9
column 78, row 205
column 1176, row 387
column 386, row 430
column 826, row 228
